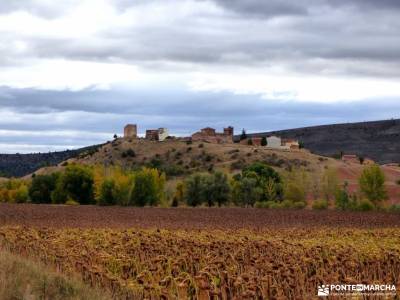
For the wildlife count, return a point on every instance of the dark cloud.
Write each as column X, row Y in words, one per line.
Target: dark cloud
column 270, row 8
column 276, row 8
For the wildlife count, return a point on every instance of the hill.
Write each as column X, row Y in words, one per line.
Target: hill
column 178, row 159
column 17, row 165
column 378, row 140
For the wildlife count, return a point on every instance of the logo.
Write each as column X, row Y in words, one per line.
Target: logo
column 356, row 289
column 323, row 290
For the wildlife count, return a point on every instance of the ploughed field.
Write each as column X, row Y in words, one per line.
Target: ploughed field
column 204, row 253
column 59, row 216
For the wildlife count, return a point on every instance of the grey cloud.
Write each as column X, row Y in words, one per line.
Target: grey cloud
column 340, row 38
column 276, row 8
column 337, row 38
column 270, row 8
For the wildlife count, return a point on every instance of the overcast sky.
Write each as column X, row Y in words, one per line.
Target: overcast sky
column 73, row 72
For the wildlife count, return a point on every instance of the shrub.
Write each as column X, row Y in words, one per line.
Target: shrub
column 320, row 204
column 71, row 202
column 295, row 192
column 14, row 191
column 155, row 163
column 128, row 153
column 261, row 204
column 395, row 208
column 237, row 165
column 173, row 170
column 249, row 142
column 299, row 205
column 365, row 205
column 372, row 184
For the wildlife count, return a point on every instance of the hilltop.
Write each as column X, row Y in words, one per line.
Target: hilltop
column 378, row 140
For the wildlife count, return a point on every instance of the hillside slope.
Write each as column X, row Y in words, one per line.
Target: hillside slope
column 379, row 140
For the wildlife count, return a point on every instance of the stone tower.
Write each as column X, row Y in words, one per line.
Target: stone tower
column 228, row 131
column 130, row 131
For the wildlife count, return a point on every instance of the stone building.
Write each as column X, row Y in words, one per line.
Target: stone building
column 351, row 158
column 152, row 134
column 159, row 134
column 209, row 135
column 255, row 141
column 130, row 131
column 290, row 144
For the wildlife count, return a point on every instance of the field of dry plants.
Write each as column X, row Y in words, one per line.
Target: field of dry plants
column 272, row 255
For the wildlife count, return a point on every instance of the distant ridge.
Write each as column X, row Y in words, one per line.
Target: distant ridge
column 379, row 140
column 16, row 165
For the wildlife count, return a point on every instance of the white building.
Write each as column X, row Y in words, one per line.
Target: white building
column 274, row 142
column 162, row 134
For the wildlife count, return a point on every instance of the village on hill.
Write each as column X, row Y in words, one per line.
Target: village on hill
column 210, row 135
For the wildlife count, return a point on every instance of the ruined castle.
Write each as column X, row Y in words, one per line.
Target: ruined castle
column 211, row 136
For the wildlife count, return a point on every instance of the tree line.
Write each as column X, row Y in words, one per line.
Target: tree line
column 257, row 185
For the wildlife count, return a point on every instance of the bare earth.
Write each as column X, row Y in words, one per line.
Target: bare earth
column 52, row 216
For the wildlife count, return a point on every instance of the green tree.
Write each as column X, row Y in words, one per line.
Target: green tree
column 271, row 190
column 216, row 189
column 148, row 187
column 342, row 199
column 21, row 194
column 179, row 194
column 372, row 184
column 107, row 192
column 246, row 192
column 264, row 174
column 194, row 190
column 75, row 183
column 41, row 188
column 330, row 184
column 243, row 136
column 264, row 141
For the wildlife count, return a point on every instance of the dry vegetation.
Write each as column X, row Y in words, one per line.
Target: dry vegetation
column 200, row 253
column 270, row 264
column 21, row 278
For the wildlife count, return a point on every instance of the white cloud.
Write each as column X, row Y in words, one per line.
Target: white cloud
column 301, row 87
column 58, row 74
